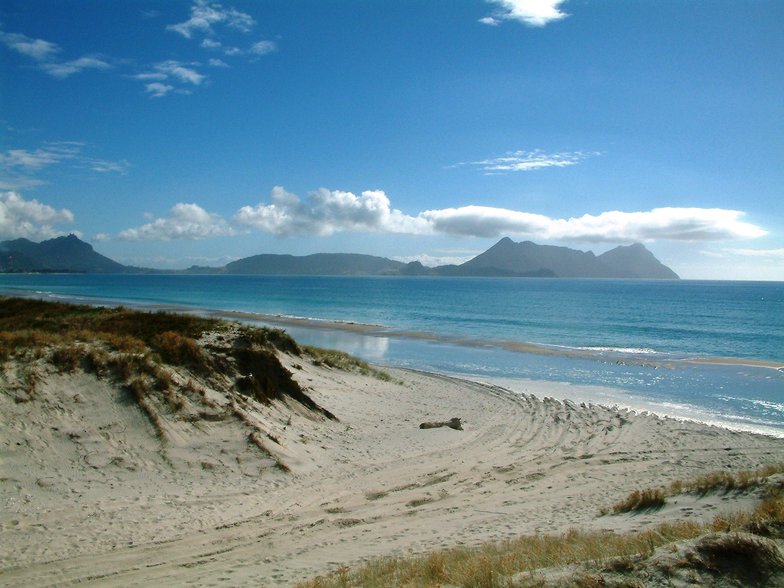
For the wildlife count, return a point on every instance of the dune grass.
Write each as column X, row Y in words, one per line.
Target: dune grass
column 343, row 361
column 515, row 562
column 726, row 481
column 641, row 500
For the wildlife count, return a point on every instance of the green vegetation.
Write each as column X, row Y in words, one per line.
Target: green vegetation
column 343, row 361
column 139, row 349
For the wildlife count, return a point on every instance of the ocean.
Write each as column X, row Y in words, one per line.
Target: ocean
column 711, row 351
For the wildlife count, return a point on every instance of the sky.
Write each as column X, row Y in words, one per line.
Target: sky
column 174, row 133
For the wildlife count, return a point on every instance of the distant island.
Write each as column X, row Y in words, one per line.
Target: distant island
column 504, row 259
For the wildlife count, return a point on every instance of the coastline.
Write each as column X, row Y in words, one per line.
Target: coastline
column 668, row 384
column 109, row 503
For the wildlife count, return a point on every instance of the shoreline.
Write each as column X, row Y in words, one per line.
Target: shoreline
column 109, row 502
column 578, row 374
column 651, row 358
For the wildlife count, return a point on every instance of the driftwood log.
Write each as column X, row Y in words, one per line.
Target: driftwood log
column 453, row 423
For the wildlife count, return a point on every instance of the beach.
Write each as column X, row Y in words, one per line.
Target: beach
column 91, row 494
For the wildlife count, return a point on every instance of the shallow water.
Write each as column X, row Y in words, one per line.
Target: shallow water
column 625, row 342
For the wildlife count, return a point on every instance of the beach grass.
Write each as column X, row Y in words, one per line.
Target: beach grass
column 139, row 349
column 641, row 500
column 519, row 562
column 343, row 361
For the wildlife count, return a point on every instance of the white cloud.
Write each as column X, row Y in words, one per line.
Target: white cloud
column 263, row 48
column 158, row 89
column 64, row 69
column 217, row 63
column 185, row 221
column 37, row 49
column 50, row 154
column 765, row 253
column 515, row 161
column 29, row 218
column 326, row 212
column 180, row 71
column 206, row 15
column 104, row 166
column 535, row 13
column 678, row 224
column 211, row 44
column 17, row 165
column 160, row 81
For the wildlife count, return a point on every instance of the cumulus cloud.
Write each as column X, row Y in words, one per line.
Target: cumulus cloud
column 516, row 161
column 206, row 15
column 326, row 212
column 29, row 218
column 185, row 221
column 679, row 224
column 535, row 13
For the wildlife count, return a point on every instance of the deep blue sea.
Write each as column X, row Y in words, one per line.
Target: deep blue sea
column 706, row 350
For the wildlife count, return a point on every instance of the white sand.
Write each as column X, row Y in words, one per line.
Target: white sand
column 89, row 493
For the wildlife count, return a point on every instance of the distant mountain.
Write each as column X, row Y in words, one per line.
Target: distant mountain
column 504, row 259
column 62, row 254
column 331, row 264
column 635, row 261
column 527, row 259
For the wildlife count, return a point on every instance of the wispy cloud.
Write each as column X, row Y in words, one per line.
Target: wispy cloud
column 64, row 69
column 326, row 212
column 517, row 161
column 21, row 168
column 49, row 154
column 36, row 49
column 773, row 254
column 45, row 53
column 212, row 24
column 206, row 16
column 158, row 89
column 185, row 221
column 211, row 21
column 535, row 13
column 29, row 219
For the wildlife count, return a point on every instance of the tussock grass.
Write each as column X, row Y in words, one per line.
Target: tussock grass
column 726, row 481
column 641, row 500
column 178, row 349
column 515, row 562
column 721, row 481
column 343, row 361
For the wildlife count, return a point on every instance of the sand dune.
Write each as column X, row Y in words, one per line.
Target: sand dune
column 91, row 491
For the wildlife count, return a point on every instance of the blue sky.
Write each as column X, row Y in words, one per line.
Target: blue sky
column 173, row 133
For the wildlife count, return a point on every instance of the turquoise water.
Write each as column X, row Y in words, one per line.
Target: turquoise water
column 614, row 341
